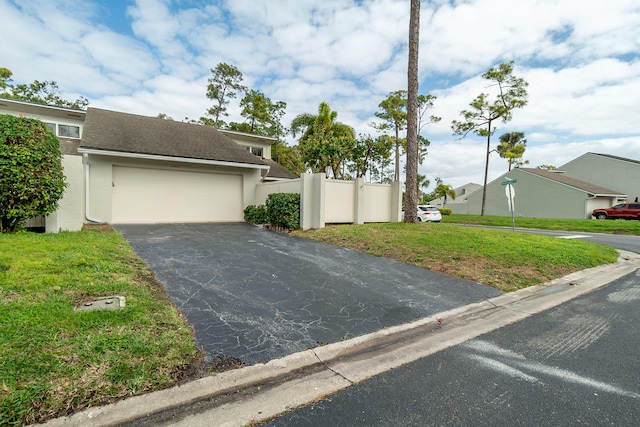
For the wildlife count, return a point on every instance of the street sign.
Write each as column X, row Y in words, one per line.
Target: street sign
column 510, row 192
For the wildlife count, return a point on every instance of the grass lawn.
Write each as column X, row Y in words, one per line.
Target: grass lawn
column 503, row 259
column 55, row 360
column 618, row 226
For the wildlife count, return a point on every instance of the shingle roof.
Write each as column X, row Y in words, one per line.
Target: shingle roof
column 276, row 170
column 624, row 159
column 572, row 182
column 130, row 133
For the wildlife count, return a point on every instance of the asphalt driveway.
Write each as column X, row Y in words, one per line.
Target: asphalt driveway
column 256, row 295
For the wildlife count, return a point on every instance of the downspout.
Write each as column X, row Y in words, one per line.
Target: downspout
column 85, row 162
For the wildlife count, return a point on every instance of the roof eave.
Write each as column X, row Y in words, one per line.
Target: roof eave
column 606, row 195
column 98, row 152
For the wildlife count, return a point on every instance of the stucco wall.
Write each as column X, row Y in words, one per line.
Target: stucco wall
column 340, row 201
column 69, row 215
column 332, row 201
column 378, row 202
column 262, row 190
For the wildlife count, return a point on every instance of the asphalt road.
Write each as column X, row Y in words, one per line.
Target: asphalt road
column 576, row 364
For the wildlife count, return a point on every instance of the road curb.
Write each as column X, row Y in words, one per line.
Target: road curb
column 261, row 391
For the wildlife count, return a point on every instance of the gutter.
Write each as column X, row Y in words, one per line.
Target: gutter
column 85, row 162
column 86, row 151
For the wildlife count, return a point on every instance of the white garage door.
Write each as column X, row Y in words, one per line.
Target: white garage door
column 157, row 196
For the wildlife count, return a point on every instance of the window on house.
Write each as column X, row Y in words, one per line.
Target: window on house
column 51, row 126
column 69, row 131
column 255, row 151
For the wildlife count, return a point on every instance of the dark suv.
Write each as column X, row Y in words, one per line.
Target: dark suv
column 623, row 210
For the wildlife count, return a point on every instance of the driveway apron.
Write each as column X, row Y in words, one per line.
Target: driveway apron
column 255, row 295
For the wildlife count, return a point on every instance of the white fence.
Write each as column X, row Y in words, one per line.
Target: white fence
column 324, row 201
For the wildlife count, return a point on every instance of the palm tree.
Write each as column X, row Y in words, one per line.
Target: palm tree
column 512, row 146
column 325, row 143
column 422, row 182
column 444, row 191
column 321, row 125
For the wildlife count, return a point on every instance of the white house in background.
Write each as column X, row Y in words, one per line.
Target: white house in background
column 460, row 201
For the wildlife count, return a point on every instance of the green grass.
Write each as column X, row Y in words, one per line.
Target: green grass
column 505, row 260
column 620, row 226
column 55, row 360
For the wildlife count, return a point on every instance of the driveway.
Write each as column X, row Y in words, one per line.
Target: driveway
column 257, row 295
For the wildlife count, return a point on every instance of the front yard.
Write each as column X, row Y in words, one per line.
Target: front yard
column 57, row 360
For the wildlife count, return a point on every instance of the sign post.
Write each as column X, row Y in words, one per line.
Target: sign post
column 510, row 192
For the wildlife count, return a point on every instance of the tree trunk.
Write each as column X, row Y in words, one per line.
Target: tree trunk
column 486, row 170
column 396, row 175
column 411, row 180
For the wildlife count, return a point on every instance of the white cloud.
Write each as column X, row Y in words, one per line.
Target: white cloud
column 580, row 59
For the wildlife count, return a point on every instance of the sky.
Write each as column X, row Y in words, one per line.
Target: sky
column 581, row 59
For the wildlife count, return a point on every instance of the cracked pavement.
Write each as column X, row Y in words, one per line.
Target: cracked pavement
column 257, row 295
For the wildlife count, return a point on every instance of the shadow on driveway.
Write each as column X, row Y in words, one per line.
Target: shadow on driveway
column 257, row 295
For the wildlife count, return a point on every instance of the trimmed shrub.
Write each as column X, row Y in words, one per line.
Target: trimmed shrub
column 31, row 176
column 283, row 210
column 445, row 211
column 256, row 214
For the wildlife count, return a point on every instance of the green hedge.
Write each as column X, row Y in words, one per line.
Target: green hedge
column 445, row 211
column 256, row 214
column 283, row 210
column 280, row 210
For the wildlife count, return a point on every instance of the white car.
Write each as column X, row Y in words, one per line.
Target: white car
column 429, row 213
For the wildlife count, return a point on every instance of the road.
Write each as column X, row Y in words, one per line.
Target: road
column 576, row 364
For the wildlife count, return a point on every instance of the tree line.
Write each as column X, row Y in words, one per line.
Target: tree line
column 324, row 144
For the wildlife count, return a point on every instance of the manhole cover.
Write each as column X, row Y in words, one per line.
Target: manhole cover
column 115, row 302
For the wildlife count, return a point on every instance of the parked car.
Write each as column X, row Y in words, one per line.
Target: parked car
column 429, row 213
column 622, row 210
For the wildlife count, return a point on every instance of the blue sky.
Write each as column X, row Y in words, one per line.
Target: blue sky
column 581, row 59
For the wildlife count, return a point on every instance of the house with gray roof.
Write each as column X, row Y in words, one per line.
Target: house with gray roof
column 539, row 193
column 127, row 168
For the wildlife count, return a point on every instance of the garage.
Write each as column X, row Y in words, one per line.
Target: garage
column 142, row 195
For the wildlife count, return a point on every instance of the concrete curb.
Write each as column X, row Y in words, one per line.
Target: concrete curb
column 261, row 391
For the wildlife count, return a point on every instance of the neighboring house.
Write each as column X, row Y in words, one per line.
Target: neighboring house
column 607, row 171
column 460, row 201
column 126, row 168
column 544, row 194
